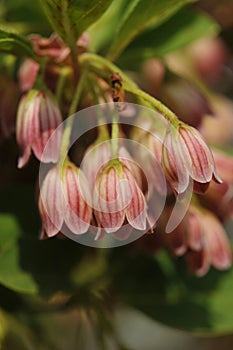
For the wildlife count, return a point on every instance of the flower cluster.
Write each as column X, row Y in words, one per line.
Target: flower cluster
column 115, row 189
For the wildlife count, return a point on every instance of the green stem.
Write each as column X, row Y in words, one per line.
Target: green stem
column 128, row 85
column 73, row 108
column 71, row 40
column 61, row 82
column 115, row 134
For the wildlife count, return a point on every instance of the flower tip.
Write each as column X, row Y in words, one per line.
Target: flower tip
column 217, row 179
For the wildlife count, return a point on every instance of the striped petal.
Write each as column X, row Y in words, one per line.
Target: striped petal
column 51, row 202
column 77, row 199
column 46, row 121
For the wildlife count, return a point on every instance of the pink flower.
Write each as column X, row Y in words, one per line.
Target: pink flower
column 220, row 197
column 37, row 118
column 216, row 250
column 64, row 199
column 185, row 156
column 118, row 198
column 27, row 74
column 202, row 239
column 99, row 154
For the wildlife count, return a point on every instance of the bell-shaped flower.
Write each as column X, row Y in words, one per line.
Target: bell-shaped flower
column 216, row 250
column 37, row 118
column 186, row 156
column 65, row 200
column 118, row 198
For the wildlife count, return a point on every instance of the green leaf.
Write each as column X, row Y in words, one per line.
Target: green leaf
column 22, row 17
column 103, row 31
column 12, row 274
column 139, row 16
column 179, row 31
column 200, row 305
column 15, row 44
column 70, row 18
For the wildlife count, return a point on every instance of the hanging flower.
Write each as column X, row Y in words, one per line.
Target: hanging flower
column 117, row 198
column 64, row 199
column 37, row 118
column 185, row 156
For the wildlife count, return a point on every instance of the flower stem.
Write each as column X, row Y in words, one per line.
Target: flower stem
column 128, row 85
column 115, row 134
column 61, row 82
column 69, row 123
column 70, row 38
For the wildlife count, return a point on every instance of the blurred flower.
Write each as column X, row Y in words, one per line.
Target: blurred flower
column 64, row 198
column 117, row 198
column 185, row 156
column 185, row 100
column 37, row 118
column 27, row 74
column 216, row 250
column 209, row 56
column 202, row 239
column 153, row 72
column 219, row 198
column 219, row 130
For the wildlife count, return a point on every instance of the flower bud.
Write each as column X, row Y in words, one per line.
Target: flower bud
column 37, row 118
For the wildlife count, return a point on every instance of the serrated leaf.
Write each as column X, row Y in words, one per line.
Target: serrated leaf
column 179, row 31
column 70, row 18
column 141, row 15
column 15, row 44
column 12, row 274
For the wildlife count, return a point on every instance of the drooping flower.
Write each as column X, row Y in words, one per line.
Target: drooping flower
column 216, row 250
column 65, row 199
column 37, row 118
column 118, row 198
column 219, row 197
column 201, row 238
column 186, row 156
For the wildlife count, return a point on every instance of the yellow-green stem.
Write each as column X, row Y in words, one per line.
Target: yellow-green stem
column 128, row 84
column 115, row 134
column 69, row 123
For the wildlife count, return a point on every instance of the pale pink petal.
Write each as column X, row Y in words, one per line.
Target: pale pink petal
column 108, row 201
column 198, row 262
column 173, row 163
column 217, row 243
column 136, row 211
column 48, row 119
column 78, row 213
column 51, row 202
column 195, row 231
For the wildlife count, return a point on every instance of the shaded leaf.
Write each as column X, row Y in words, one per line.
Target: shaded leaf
column 179, row 31
column 103, row 31
column 70, row 18
column 12, row 274
column 15, row 44
column 139, row 16
column 200, row 305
